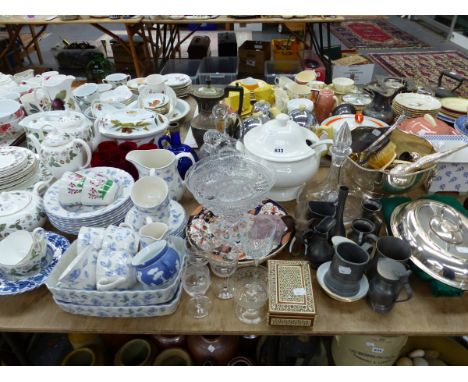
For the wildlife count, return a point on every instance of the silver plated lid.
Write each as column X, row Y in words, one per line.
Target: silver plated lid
column 438, row 235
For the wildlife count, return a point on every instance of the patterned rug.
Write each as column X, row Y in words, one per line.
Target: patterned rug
column 424, row 67
column 375, row 34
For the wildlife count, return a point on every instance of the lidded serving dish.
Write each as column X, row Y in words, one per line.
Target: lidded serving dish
column 438, row 235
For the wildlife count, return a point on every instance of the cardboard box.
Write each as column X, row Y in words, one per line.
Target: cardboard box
column 450, row 172
column 250, row 27
column 361, row 74
column 284, row 49
column 291, row 301
column 252, row 56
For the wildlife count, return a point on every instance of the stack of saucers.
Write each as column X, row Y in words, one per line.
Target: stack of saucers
column 453, row 108
column 18, row 168
column 70, row 219
column 180, row 83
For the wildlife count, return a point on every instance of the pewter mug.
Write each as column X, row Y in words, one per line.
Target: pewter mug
column 362, row 232
column 389, row 247
column 387, row 283
column 347, row 267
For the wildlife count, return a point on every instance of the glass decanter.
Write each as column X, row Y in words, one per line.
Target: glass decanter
column 327, row 189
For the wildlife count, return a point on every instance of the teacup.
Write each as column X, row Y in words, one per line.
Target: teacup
column 22, row 252
column 150, row 195
column 90, row 237
column 305, row 77
column 48, row 74
column 24, row 75
column 71, row 188
column 117, row 79
column 152, row 231
column 9, row 110
column 86, row 93
column 298, row 91
column 114, row 270
column 157, row 102
column 343, row 84
column 347, row 267
column 156, row 83
column 249, row 83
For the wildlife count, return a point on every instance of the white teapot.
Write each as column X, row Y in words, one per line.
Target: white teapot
column 62, row 152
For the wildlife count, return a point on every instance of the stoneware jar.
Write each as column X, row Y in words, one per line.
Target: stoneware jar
column 157, row 264
column 136, row 352
column 62, row 152
column 212, row 350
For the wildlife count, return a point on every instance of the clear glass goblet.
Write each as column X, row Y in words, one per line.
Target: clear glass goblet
column 224, row 265
column 195, row 255
column 196, row 281
column 251, row 294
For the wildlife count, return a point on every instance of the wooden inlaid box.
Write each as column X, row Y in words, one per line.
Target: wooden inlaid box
column 291, row 300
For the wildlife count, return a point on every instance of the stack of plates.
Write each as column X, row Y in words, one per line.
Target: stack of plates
column 70, row 219
column 18, row 167
column 180, row 83
column 453, row 108
column 415, row 105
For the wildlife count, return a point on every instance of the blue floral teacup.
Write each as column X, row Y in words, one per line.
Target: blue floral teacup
column 150, row 195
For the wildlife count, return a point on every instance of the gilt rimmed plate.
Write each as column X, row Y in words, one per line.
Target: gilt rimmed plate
column 455, row 104
column 199, row 235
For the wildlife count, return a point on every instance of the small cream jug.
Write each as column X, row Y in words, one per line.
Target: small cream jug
column 62, row 152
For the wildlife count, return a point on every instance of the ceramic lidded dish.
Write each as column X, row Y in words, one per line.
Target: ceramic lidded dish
column 290, row 150
column 438, row 235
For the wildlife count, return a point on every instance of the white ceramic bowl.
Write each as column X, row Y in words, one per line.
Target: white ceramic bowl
column 343, row 84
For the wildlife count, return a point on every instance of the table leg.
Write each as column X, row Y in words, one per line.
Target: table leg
column 136, row 61
column 36, row 44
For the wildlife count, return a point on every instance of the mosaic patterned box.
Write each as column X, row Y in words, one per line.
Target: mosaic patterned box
column 291, row 300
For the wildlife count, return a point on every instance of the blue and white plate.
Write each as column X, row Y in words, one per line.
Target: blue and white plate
column 176, row 222
column 446, row 118
column 53, row 207
column 461, row 125
column 56, row 246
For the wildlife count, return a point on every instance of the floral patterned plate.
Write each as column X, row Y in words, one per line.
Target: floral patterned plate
column 198, row 229
column 132, row 124
column 56, row 246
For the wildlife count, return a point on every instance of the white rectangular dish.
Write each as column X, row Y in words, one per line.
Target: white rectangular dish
column 137, row 297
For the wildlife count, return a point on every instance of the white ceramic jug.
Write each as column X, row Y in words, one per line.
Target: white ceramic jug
column 56, row 94
column 162, row 163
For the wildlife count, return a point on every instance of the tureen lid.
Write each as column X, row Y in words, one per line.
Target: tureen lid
column 438, row 235
column 280, row 139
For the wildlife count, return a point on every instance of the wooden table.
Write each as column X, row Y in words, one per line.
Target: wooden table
column 133, row 27
column 35, row 311
column 167, row 42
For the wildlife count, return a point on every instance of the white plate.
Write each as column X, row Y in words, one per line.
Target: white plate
column 123, row 179
column 181, row 109
column 455, row 104
column 141, row 124
column 415, row 101
column 11, row 159
column 134, row 83
column 363, row 286
column 177, row 79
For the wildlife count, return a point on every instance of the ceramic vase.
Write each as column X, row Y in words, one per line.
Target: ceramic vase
column 212, row 350
column 137, row 352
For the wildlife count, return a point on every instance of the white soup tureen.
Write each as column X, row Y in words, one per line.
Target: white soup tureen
column 292, row 151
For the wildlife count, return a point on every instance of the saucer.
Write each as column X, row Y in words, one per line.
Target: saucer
column 176, row 221
column 56, row 246
column 363, row 287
